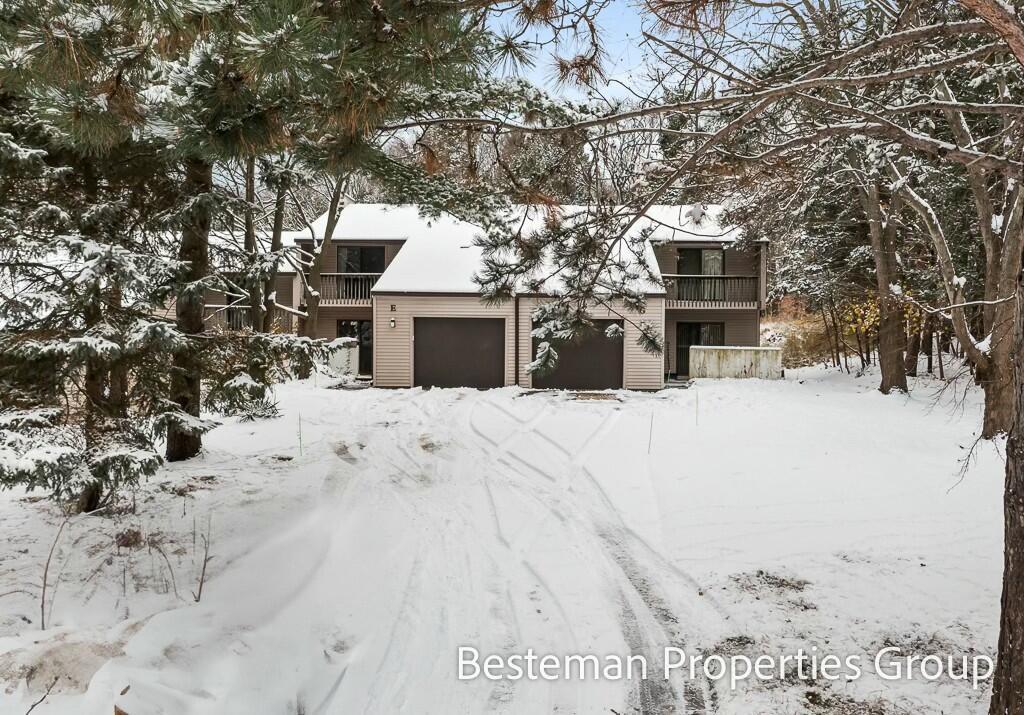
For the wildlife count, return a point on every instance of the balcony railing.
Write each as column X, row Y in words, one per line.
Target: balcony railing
column 711, row 291
column 239, row 317
column 346, row 288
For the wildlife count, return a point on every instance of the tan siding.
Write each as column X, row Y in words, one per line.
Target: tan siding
column 762, row 253
column 644, row 370
column 216, row 297
column 742, row 328
column 741, row 262
column 738, row 262
column 641, row 370
column 328, row 316
column 391, row 250
column 666, row 257
column 526, row 308
column 167, row 312
column 284, row 290
column 330, row 255
column 393, row 347
column 283, row 286
column 330, row 259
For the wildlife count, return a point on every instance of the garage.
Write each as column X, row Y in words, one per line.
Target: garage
column 593, row 363
column 458, row 352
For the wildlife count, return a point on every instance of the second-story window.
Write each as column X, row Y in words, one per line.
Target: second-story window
column 360, row 259
column 701, row 262
column 709, row 264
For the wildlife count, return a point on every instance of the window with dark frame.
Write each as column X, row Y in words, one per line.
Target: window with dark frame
column 701, row 262
column 712, row 333
column 703, row 270
column 360, row 259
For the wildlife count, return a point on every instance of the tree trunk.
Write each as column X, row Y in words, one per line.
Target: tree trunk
column 928, row 340
column 250, row 247
column 913, row 350
column 270, row 286
column 308, row 326
column 117, row 400
column 890, row 347
column 840, row 337
column 996, row 379
column 186, row 374
column 89, row 497
column 1008, row 682
column 320, row 252
column 891, row 338
column 860, row 347
column 95, row 377
column 95, row 388
column 938, row 354
column 833, row 351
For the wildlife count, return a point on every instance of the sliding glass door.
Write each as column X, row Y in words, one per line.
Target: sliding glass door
column 688, row 334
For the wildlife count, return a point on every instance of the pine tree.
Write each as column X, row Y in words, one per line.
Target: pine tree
column 290, row 91
column 95, row 195
column 82, row 288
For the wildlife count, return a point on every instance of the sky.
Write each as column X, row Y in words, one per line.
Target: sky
column 621, row 24
column 620, row 27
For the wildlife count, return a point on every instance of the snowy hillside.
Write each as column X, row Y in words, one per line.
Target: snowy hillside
column 358, row 540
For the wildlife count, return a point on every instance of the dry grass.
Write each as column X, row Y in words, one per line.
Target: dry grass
column 760, row 581
column 804, row 340
column 824, row 703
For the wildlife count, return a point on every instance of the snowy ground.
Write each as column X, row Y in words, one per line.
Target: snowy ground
column 363, row 536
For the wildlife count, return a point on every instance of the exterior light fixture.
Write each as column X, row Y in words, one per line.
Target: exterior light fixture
column 391, row 322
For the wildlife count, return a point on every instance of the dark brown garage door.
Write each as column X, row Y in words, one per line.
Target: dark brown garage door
column 594, row 363
column 459, row 352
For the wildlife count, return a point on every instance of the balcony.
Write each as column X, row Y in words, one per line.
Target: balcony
column 711, row 291
column 239, row 317
column 346, row 288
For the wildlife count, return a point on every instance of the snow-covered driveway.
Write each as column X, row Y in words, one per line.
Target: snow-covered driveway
column 361, row 538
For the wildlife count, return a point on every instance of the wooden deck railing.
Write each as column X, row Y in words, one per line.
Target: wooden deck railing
column 239, row 317
column 346, row 288
column 711, row 290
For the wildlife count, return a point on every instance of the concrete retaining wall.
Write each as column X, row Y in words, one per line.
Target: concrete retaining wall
column 707, row 361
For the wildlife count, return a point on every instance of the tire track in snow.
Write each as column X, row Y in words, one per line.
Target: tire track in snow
column 663, row 624
column 544, row 495
column 459, row 532
column 381, row 677
column 519, row 541
column 517, row 544
column 647, row 618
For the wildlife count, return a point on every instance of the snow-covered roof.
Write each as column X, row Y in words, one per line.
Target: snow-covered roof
column 437, row 257
column 692, row 222
column 380, row 222
column 374, row 222
column 440, row 256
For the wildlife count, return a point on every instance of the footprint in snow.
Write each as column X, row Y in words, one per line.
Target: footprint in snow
column 344, row 451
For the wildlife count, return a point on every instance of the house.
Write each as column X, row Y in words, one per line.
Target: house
column 403, row 286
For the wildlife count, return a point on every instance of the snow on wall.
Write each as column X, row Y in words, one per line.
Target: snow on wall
column 345, row 362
